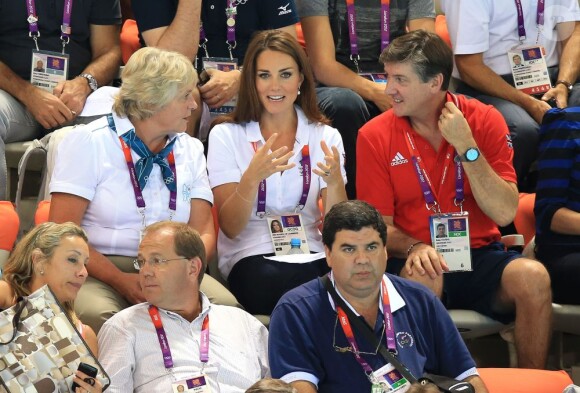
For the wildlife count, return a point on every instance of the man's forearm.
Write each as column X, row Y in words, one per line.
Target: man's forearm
column 13, row 84
column 484, row 79
column 398, row 242
column 569, row 66
column 478, row 384
column 180, row 36
column 338, row 75
column 105, row 67
column 497, row 198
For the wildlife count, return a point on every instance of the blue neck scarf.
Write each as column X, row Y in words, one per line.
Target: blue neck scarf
column 144, row 165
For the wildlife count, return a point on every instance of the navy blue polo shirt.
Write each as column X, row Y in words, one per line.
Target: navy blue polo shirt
column 252, row 16
column 303, row 328
column 16, row 46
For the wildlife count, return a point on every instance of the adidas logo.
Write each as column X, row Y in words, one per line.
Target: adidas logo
column 398, row 160
column 284, row 10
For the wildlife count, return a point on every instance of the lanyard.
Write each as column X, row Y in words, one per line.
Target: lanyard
column 389, row 329
column 231, row 12
column 139, row 200
column 385, row 28
column 306, row 180
column 521, row 24
column 65, row 27
column 164, row 343
column 423, row 177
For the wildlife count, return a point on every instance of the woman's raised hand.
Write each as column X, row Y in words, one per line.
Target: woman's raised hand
column 265, row 163
column 329, row 170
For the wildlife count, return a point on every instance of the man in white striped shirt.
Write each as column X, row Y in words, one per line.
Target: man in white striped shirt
column 177, row 340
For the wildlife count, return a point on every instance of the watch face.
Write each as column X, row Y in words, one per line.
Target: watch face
column 471, row 154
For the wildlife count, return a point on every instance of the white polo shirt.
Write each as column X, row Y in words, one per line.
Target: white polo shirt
column 90, row 164
column 491, row 27
column 230, row 153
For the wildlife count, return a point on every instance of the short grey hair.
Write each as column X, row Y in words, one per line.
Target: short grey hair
column 152, row 78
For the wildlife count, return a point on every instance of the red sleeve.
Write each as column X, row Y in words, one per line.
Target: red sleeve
column 373, row 179
column 494, row 141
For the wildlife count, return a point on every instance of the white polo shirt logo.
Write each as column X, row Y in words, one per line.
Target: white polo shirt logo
column 398, row 160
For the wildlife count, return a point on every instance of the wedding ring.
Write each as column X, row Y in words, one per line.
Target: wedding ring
column 90, row 381
column 73, row 113
column 218, row 97
column 327, row 173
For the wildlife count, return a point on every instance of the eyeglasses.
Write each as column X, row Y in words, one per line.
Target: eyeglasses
column 154, row 262
column 350, row 348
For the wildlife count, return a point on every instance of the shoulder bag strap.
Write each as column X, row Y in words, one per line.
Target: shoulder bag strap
column 16, row 320
column 366, row 331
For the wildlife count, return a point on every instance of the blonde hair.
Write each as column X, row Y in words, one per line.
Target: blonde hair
column 152, row 78
column 269, row 385
column 19, row 269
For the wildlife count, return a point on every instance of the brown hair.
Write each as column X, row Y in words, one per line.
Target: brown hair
column 249, row 108
column 426, row 52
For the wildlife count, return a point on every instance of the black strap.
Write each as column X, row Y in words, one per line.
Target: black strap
column 16, row 319
column 366, row 331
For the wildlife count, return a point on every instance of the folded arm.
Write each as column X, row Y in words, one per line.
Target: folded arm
column 104, row 66
column 180, row 36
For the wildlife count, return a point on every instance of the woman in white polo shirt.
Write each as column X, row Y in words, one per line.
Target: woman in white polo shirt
column 272, row 159
column 129, row 169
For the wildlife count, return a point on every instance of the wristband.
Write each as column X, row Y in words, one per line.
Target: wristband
column 411, row 247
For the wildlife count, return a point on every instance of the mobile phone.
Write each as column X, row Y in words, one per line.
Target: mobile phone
column 87, row 369
column 203, row 78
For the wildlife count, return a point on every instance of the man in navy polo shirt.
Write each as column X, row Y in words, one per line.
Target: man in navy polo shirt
column 308, row 346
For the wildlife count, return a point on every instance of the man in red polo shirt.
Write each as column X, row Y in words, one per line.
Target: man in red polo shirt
column 438, row 158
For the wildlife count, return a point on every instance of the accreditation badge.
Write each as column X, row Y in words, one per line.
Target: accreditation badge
column 48, row 69
column 288, row 235
column 226, row 65
column 197, row 384
column 529, row 69
column 375, row 77
column 450, row 237
column 388, row 379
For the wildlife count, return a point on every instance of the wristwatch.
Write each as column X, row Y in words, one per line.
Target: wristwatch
column 565, row 83
column 470, row 155
column 92, row 81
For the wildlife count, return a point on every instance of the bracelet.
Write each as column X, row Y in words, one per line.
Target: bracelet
column 411, row 247
column 242, row 197
column 568, row 85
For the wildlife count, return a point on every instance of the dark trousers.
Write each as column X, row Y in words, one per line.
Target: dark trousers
column 259, row 283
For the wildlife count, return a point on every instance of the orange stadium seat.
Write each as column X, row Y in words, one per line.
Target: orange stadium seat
column 9, row 224
column 441, row 29
column 519, row 380
column 42, row 211
column 129, row 39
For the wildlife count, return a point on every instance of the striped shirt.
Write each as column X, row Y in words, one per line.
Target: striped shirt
column 559, row 174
